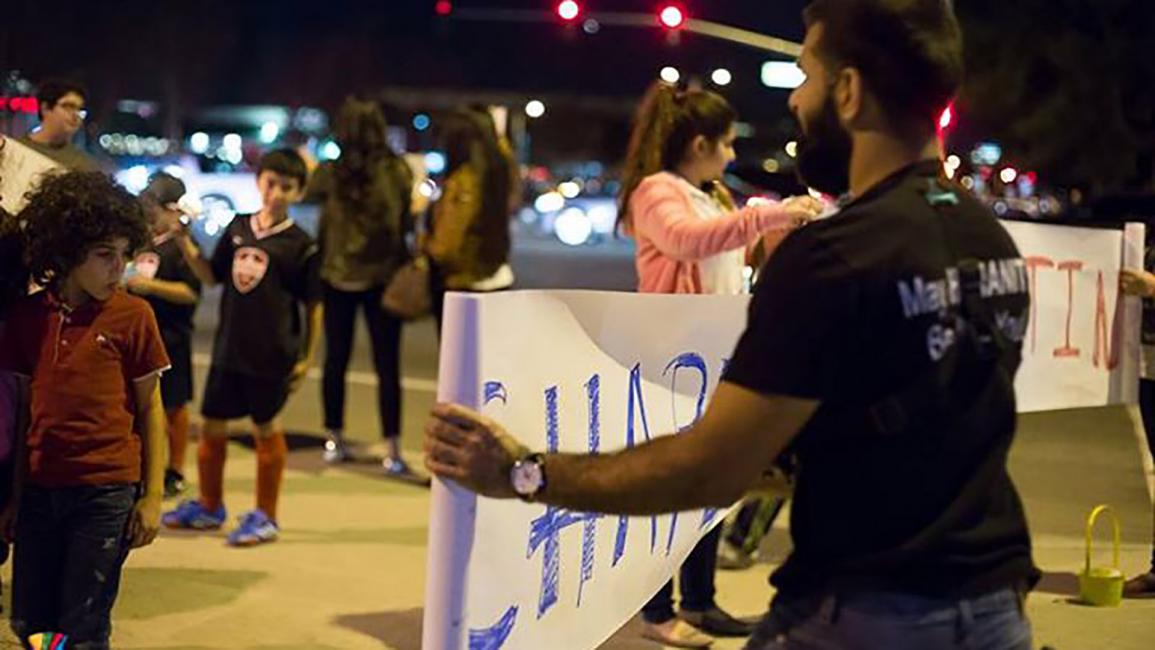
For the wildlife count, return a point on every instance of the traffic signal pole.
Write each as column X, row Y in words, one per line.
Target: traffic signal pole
column 706, row 28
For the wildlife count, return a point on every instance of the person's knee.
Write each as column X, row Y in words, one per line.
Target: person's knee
column 215, row 428
column 266, row 429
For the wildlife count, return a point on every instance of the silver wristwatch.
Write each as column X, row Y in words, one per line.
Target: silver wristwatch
column 527, row 476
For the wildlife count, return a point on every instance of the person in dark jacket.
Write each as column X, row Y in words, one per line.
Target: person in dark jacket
column 365, row 219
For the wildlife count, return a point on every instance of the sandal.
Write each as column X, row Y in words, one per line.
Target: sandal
column 677, row 633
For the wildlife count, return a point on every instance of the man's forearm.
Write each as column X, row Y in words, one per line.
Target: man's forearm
column 664, row 475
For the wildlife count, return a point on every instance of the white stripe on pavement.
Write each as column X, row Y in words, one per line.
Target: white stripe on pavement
column 353, row 376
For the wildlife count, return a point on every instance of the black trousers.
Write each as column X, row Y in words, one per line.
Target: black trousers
column 70, row 547
column 697, row 582
column 437, row 292
column 385, row 338
column 1147, row 410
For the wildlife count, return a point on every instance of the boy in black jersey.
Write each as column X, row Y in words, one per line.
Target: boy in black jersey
column 161, row 276
column 270, row 324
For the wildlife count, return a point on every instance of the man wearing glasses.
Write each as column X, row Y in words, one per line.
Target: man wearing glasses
column 61, row 110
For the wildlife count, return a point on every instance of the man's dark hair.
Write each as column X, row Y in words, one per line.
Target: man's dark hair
column 908, row 51
column 71, row 213
column 51, row 91
column 286, row 162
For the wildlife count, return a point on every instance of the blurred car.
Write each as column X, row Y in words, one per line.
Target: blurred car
column 221, row 195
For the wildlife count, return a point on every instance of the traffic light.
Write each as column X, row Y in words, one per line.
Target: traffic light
column 443, row 7
column 942, row 128
column 569, row 10
column 945, row 119
column 672, row 16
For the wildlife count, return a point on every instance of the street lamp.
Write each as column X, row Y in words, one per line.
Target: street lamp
column 535, row 109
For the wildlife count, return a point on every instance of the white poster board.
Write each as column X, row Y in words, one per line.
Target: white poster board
column 591, row 371
column 580, row 372
column 1082, row 347
column 21, row 169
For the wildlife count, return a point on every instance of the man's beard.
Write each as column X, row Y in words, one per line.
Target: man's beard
column 824, row 153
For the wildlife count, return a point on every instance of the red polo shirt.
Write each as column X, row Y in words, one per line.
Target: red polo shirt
column 83, row 363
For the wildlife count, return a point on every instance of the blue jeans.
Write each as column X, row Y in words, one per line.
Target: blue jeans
column 865, row 621
column 70, row 547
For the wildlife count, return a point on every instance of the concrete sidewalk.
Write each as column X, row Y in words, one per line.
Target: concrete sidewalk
column 349, row 570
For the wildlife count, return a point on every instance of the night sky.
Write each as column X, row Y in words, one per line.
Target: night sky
column 298, row 52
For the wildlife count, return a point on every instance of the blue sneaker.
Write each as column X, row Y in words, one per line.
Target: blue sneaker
column 256, row 528
column 191, row 514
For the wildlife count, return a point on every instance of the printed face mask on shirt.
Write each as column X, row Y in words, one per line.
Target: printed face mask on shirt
column 249, row 267
column 824, row 148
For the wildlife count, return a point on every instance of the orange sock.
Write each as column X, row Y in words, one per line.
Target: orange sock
column 271, row 453
column 177, row 437
column 211, row 455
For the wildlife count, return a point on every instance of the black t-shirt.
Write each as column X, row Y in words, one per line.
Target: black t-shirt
column 267, row 277
column 164, row 261
column 848, row 312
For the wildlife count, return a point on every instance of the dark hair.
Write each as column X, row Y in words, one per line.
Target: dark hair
column 495, row 139
column 469, row 138
column 163, row 188
column 286, row 162
column 909, row 52
column 360, row 131
column 51, row 91
column 667, row 122
column 13, row 271
column 72, row 212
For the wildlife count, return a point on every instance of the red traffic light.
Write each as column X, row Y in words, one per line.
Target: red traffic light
column 569, row 10
column 443, row 7
column 945, row 119
column 672, row 16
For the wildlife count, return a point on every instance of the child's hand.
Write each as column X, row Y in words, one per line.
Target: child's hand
column 138, row 285
column 8, row 522
column 144, row 523
column 803, row 208
column 298, row 376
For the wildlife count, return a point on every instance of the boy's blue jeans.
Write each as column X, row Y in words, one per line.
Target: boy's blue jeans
column 70, row 547
column 995, row 621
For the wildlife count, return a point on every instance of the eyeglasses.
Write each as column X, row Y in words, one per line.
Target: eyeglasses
column 73, row 108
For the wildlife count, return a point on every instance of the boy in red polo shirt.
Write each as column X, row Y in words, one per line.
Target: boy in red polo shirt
column 89, row 471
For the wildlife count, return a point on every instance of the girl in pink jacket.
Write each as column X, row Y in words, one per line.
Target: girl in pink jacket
column 690, row 238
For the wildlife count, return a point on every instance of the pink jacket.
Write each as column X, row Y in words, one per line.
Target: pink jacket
column 671, row 237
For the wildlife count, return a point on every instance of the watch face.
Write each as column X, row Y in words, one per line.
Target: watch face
column 526, row 477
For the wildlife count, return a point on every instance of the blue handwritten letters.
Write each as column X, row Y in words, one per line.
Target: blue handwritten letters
column 545, row 531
